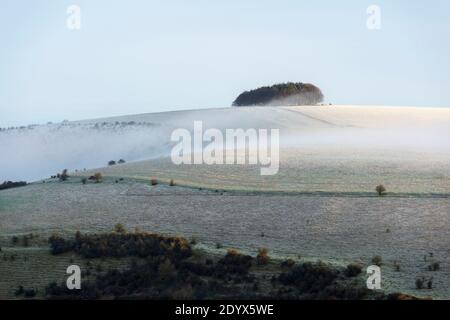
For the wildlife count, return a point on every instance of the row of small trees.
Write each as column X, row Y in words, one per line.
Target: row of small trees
column 11, row 184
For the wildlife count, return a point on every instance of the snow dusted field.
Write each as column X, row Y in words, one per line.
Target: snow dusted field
column 321, row 204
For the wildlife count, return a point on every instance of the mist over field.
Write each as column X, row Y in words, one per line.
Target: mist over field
column 33, row 154
column 36, row 152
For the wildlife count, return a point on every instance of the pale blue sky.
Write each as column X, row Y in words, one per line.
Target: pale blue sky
column 141, row 56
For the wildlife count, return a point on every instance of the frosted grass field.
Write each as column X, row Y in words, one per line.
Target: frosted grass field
column 341, row 229
column 321, row 205
column 307, row 170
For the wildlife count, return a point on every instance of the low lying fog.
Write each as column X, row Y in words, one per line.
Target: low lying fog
column 33, row 154
column 41, row 151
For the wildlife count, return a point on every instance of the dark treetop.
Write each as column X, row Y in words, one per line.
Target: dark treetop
column 285, row 94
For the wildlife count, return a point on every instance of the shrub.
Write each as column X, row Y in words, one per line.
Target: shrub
column 233, row 263
column 153, row 182
column 171, row 183
column 263, row 258
column 98, row 177
column 184, row 293
column 120, row 228
column 435, row 266
column 353, row 269
column 167, row 270
column 289, row 263
column 420, row 283
column 208, row 262
column 59, row 245
column 19, row 291
column 15, row 239
column 380, row 189
column 26, row 241
column 121, row 161
column 430, row 283
column 309, row 277
column 111, row 163
column 376, row 260
column 64, row 175
column 29, row 293
column 84, row 181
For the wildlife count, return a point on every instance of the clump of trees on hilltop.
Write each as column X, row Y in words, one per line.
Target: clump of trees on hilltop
column 285, row 94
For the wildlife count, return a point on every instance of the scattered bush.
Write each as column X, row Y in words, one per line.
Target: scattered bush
column 27, row 293
column 171, row 183
column 9, row 184
column 83, row 180
column 289, row 263
column 309, row 277
column 184, row 293
column 98, row 177
column 164, row 268
column 19, row 291
column 59, row 245
column 377, row 260
column 263, row 256
column 26, row 241
column 111, row 163
column 233, row 263
column 380, row 189
column 30, row 293
column 435, row 266
column 64, row 175
column 420, row 283
column 153, row 182
column 353, row 269
column 120, row 228
column 14, row 240
column 430, row 283
column 121, row 161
